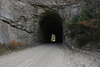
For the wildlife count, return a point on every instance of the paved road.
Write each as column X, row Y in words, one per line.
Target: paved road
column 48, row 55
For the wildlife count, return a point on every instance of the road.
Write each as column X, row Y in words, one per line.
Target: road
column 48, row 55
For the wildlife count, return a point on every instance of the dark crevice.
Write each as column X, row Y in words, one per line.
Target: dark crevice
column 14, row 26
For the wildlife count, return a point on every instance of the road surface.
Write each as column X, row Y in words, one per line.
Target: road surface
column 48, row 55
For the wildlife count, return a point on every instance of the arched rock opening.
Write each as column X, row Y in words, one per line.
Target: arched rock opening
column 51, row 23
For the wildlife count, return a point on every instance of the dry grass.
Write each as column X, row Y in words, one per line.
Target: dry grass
column 22, row 44
column 85, row 23
column 76, row 0
column 91, row 23
column 13, row 45
column 2, row 49
column 99, row 65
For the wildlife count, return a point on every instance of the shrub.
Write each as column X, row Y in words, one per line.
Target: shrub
column 69, row 24
column 85, row 23
column 3, row 48
column 73, row 22
column 93, row 8
column 84, row 29
column 82, row 40
column 13, row 44
column 22, row 44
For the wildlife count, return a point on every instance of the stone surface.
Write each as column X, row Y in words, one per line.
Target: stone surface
column 20, row 18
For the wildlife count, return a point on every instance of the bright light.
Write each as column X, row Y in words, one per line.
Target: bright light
column 53, row 37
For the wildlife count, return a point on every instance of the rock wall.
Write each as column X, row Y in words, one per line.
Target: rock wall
column 19, row 19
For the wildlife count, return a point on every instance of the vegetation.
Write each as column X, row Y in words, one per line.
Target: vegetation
column 93, row 8
column 12, row 46
column 84, row 28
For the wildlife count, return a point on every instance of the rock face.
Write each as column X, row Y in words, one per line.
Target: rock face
column 19, row 19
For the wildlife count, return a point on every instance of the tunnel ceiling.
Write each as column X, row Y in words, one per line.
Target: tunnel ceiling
column 51, row 24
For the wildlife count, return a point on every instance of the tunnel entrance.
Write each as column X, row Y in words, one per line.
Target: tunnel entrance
column 51, row 24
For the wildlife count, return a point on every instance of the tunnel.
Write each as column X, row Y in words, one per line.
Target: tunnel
column 51, row 24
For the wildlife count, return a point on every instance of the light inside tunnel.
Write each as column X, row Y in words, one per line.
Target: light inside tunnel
column 53, row 37
column 51, row 23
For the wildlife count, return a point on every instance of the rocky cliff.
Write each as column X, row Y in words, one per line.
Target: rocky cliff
column 19, row 19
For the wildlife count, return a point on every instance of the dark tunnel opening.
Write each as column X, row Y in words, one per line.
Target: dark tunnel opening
column 49, row 25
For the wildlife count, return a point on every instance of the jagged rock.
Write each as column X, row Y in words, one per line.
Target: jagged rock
column 20, row 18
